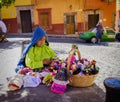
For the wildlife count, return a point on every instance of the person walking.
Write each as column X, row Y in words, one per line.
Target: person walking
column 99, row 32
column 3, row 31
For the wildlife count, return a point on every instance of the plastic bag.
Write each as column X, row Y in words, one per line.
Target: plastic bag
column 31, row 80
column 15, row 82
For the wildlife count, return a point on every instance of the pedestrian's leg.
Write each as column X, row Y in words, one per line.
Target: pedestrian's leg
column 0, row 37
column 4, row 38
column 98, row 40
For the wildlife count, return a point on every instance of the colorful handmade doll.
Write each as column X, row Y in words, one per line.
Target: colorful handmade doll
column 93, row 62
column 48, row 79
column 25, row 70
column 78, row 67
column 73, row 68
column 94, row 68
column 60, row 81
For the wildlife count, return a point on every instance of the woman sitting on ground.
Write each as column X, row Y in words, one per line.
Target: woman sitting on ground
column 37, row 53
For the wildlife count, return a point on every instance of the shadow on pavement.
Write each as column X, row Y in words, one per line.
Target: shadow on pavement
column 10, row 44
column 42, row 93
column 65, row 40
column 17, row 43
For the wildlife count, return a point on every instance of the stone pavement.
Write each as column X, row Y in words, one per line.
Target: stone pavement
column 10, row 53
column 71, row 36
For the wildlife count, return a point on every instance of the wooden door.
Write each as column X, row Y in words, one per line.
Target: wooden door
column 92, row 20
column 26, row 23
column 70, row 24
column 44, row 20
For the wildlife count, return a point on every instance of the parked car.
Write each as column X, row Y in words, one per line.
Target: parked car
column 90, row 35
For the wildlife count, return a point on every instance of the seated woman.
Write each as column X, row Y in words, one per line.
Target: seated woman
column 3, row 31
column 37, row 53
column 2, row 35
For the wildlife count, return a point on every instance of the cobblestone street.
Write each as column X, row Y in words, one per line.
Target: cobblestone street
column 107, row 58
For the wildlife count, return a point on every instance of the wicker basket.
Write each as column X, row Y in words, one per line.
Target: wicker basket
column 82, row 81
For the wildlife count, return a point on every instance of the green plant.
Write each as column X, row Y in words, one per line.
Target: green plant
column 6, row 3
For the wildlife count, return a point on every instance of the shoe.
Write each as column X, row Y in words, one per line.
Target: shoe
column 0, row 39
column 99, row 43
column 5, row 40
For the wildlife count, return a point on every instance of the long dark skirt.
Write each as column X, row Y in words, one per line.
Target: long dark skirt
column 98, row 35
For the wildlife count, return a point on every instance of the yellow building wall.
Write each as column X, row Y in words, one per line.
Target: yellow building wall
column 10, row 12
column 22, row 2
column 58, row 8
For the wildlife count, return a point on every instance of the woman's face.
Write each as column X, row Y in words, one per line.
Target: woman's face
column 41, row 42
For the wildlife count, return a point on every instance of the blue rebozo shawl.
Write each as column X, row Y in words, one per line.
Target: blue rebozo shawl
column 37, row 35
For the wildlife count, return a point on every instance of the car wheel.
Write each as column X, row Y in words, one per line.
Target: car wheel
column 93, row 40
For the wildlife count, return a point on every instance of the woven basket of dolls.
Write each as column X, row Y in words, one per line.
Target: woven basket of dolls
column 82, row 81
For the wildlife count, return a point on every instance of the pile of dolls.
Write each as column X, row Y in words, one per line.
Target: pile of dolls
column 84, row 67
column 81, row 67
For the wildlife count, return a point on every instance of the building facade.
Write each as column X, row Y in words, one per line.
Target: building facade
column 58, row 16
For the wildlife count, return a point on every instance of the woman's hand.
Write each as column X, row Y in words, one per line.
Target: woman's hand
column 47, row 61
